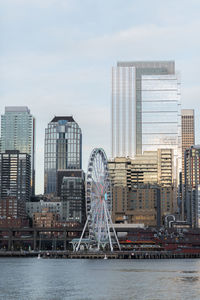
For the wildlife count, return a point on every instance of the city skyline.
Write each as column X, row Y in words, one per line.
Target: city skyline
column 99, row 149
column 65, row 66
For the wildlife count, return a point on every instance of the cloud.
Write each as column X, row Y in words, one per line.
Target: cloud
column 148, row 40
column 56, row 57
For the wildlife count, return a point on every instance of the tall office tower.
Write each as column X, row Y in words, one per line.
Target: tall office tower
column 192, row 184
column 18, row 133
column 15, row 189
column 188, row 139
column 188, row 134
column 73, row 197
column 146, row 109
column 63, row 150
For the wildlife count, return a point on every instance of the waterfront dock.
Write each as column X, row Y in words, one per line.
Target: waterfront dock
column 101, row 255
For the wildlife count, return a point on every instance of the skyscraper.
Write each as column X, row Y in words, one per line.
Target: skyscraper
column 192, row 184
column 15, row 189
column 188, row 135
column 146, row 109
column 63, row 150
column 18, row 133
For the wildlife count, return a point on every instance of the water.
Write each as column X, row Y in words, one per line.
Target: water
column 51, row 279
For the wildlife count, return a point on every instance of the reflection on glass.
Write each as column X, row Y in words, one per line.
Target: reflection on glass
column 62, row 150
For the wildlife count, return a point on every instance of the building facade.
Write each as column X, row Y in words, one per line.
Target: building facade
column 63, row 150
column 73, row 197
column 18, row 133
column 38, row 207
column 146, row 109
column 143, row 205
column 15, row 189
column 143, row 187
column 192, row 182
column 198, row 206
column 44, row 219
column 188, row 133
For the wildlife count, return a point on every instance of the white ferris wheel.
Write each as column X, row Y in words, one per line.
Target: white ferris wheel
column 98, row 203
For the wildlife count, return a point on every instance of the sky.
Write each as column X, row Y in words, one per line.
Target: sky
column 56, row 58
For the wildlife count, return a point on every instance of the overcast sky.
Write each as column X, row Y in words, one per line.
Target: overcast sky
column 56, row 58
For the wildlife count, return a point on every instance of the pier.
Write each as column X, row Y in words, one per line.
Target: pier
column 101, row 255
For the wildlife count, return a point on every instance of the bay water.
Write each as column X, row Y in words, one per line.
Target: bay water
column 60, row 279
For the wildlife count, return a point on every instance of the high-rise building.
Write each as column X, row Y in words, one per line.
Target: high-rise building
column 18, row 133
column 192, row 182
column 146, row 109
column 73, row 197
column 15, row 189
column 197, row 196
column 63, row 150
column 188, row 134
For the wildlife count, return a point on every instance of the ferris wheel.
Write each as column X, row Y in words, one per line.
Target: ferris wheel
column 98, row 203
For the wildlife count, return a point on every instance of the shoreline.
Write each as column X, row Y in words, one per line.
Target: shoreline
column 101, row 255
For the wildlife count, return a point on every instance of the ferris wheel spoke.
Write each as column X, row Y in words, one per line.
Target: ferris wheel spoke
column 96, row 174
column 97, row 187
column 94, row 169
column 101, row 166
column 100, row 160
column 97, row 168
column 99, row 212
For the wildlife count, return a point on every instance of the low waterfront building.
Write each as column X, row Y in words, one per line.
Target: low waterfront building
column 44, row 219
column 37, row 207
column 11, row 208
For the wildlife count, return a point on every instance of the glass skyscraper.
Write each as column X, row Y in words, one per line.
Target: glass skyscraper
column 63, row 149
column 18, row 133
column 146, row 112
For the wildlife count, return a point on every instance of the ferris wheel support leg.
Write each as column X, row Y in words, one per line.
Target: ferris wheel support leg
column 100, row 228
column 108, row 228
column 82, row 234
column 114, row 232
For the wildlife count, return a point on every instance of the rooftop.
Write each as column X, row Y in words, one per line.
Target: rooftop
column 67, row 118
column 187, row 112
column 169, row 66
column 17, row 109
